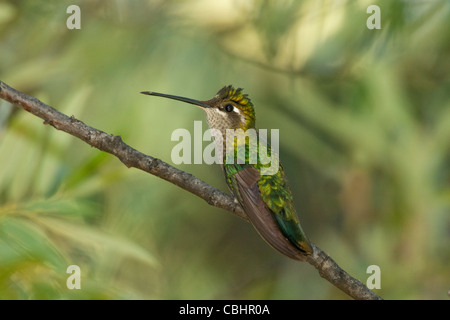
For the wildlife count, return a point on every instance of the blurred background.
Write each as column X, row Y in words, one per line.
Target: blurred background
column 364, row 119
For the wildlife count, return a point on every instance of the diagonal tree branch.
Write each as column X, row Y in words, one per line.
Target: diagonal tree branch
column 327, row 268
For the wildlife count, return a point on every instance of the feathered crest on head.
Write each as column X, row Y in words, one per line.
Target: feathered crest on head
column 236, row 95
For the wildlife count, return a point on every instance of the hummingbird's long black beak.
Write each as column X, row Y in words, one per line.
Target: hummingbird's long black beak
column 169, row 96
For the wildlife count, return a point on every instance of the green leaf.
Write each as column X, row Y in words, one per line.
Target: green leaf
column 97, row 239
column 21, row 239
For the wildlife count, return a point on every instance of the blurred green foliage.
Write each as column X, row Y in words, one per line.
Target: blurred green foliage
column 364, row 119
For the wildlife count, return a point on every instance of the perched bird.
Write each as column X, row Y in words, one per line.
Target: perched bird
column 266, row 198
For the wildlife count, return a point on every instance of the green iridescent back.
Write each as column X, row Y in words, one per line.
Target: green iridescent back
column 274, row 189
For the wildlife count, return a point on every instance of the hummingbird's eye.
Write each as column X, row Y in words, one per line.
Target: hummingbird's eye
column 229, row 108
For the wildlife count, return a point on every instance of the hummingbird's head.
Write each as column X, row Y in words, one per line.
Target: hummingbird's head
column 228, row 109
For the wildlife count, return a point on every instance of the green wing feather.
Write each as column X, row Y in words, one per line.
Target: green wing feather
column 275, row 192
column 267, row 202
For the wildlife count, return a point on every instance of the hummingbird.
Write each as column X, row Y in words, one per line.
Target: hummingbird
column 266, row 199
